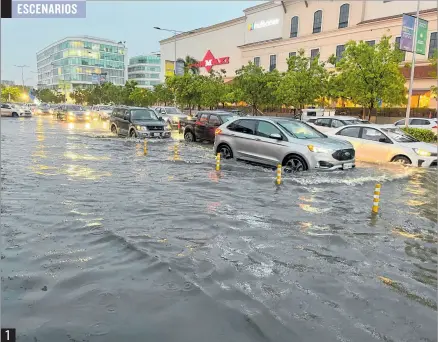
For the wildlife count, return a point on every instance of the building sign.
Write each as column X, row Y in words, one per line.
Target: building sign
column 210, row 61
column 98, row 78
column 420, row 46
column 179, row 67
column 263, row 24
column 407, row 35
column 168, row 67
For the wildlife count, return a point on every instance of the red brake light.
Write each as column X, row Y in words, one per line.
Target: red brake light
column 217, row 131
column 435, row 127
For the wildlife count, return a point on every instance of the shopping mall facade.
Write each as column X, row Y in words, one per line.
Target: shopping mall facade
column 267, row 34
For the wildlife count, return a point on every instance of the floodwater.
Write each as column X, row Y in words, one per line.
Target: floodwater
column 102, row 243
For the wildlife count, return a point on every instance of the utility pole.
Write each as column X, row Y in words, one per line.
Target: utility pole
column 411, row 81
column 22, row 73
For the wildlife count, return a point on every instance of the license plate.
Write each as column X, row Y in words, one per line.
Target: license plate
column 155, row 134
column 347, row 166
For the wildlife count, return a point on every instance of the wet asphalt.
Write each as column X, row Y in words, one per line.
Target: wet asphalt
column 102, row 243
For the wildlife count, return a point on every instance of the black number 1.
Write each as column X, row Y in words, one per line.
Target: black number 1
column 8, row 335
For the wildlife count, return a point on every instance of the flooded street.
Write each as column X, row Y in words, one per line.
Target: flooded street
column 102, row 243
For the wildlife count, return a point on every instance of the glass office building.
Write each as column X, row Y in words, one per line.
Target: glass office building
column 145, row 70
column 78, row 62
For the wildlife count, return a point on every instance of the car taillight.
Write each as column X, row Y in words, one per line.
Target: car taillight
column 217, row 131
column 435, row 127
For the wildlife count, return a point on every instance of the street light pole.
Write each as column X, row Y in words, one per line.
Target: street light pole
column 411, row 81
column 22, row 73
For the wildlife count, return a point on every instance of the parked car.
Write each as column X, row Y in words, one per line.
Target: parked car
column 386, row 143
column 292, row 143
column 170, row 115
column 14, row 110
column 425, row 123
column 138, row 122
column 203, row 126
column 101, row 112
column 331, row 123
column 72, row 113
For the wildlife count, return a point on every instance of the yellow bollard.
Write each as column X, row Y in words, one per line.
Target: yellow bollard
column 376, row 198
column 278, row 174
column 218, row 162
column 175, row 152
column 145, row 147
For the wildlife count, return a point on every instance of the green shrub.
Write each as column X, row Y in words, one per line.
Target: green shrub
column 421, row 134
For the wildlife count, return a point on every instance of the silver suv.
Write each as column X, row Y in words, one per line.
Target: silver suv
column 293, row 143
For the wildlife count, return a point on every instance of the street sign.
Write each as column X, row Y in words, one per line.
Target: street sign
column 420, row 47
column 407, row 35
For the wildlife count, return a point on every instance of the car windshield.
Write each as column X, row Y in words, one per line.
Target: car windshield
column 300, row 130
column 173, row 110
column 75, row 108
column 143, row 114
column 226, row 118
column 398, row 135
column 106, row 108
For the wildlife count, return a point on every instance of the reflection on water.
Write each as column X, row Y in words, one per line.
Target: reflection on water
column 122, row 242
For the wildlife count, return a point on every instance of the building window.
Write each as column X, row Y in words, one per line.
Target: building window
column 294, row 27
column 272, row 62
column 344, row 13
column 314, row 53
column 397, row 46
column 317, row 21
column 292, row 54
column 432, row 45
column 371, row 42
column 339, row 51
column 257, row 61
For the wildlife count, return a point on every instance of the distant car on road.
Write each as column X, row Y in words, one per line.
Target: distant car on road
column 43, row 109
column 386, row 143
column 138, row 122
column 331, row 123
column 292, row 143
column 431, row 124
column 71, row 113
column 170, row 115
column 101, row 112
column 204, row 124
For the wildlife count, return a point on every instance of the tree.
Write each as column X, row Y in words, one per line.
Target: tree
column 371, row 74
column 189, row 65
column 10, row 93
column 253, row 85
column 187, row 88
column 79, row 95
column 212, row 89
column 305, row 81
column 142, row 97
column 163, row 94
column 433, row 63
column 127, row 91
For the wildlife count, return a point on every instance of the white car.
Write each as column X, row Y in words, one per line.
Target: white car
column 386, row 143
column 331, row 123
column 425, row 123
column 14, row 110
column 101, row 112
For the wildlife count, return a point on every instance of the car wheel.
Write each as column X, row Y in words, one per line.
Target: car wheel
column 401, row 159
column 225, row 151
column 114, row 129
column 14, row 115
column 189, row 136
column 294, row 164
column 132, row 133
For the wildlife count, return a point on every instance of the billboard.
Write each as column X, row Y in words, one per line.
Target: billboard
column 264, row 25
column 407, row 35
column 95, row 78
column 179, row 68
column 168, row 67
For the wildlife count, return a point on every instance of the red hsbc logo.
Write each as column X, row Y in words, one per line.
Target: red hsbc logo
column 210, row 61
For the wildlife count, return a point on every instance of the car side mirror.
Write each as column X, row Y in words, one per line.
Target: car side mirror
column 383, row 140
column 276, row 136
column 160, row 118
column 126, row 117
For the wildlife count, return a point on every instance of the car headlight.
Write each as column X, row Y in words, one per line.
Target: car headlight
column 422, row 153
column 141, row 128
column 317, row 149
column 87, row 113
column 51, row 111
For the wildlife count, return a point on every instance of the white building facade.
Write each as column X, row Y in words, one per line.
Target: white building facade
column 145, row 70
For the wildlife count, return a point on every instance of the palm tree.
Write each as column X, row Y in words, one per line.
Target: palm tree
column 189, row 65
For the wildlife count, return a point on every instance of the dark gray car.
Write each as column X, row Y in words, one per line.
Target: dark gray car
column 138, row 122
